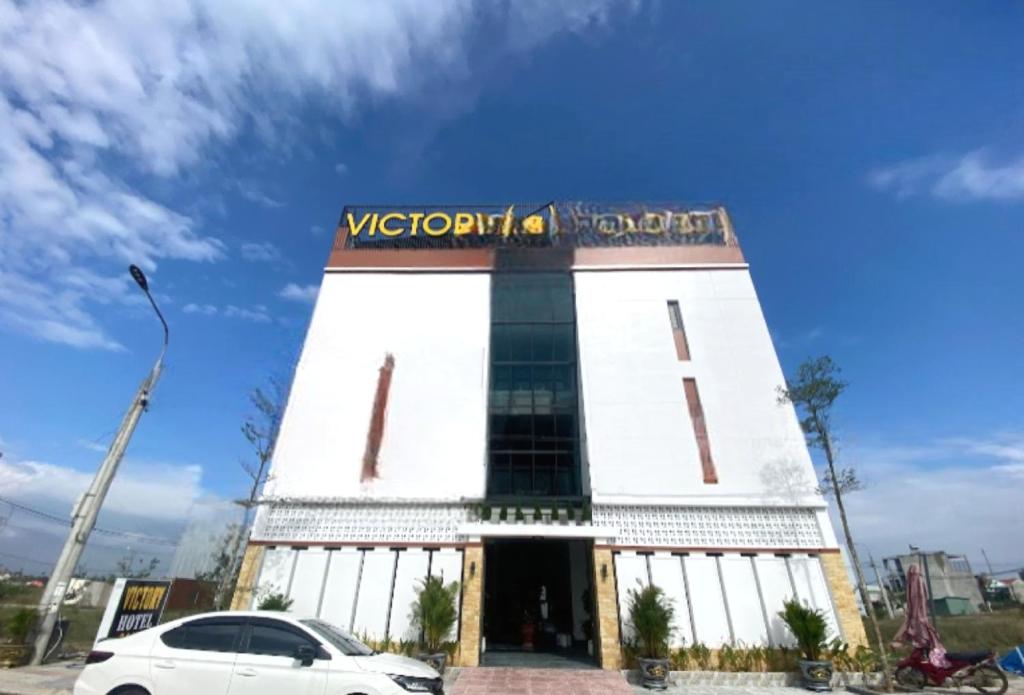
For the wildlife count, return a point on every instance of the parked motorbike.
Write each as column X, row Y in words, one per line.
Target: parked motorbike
column 977, row 670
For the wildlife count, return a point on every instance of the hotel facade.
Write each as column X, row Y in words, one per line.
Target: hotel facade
column 551, row 405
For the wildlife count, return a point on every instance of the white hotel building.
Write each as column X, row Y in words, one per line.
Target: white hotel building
column 583, row 401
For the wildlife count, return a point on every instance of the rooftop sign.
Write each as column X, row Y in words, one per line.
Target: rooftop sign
column 551, row 224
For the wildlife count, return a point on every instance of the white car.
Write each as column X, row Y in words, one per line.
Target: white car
column 249, row 653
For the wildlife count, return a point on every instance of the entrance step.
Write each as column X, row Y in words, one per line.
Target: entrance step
column 539, row 681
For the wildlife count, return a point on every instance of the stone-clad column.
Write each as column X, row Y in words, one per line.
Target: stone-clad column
column 606, row 621
column 843, row 599
column 472, row 605
column 248, row 575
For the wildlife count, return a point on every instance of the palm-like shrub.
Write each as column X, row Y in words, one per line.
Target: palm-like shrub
column 434, row 613
column 651, row 615
column 275, row 601
column 808, row 627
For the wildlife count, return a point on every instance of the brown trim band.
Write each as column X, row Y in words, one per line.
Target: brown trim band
column 366, row 544
column 485, row 259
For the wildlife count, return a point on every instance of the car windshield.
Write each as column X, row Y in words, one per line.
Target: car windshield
column 345, row 642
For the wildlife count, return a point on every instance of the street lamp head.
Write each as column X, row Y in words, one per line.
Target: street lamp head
column 139, row 277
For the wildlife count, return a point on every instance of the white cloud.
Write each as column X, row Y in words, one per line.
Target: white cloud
column 96, row 95
column 341, row 168
column 941, row 495
column 254, row 194
column 146, row 501
column 970, row 177
column 92, row 445
column 299, row 293
column 201, row 309
column 316, row 230
column 257, row 313
column 265, row 251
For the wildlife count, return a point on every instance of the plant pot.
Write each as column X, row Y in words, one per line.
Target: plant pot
column 434, row 661
column 816, row 675
column 12, row 655
column 654, row 673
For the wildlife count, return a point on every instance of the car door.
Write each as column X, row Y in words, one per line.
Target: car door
column 266, row 663
column 196, row 657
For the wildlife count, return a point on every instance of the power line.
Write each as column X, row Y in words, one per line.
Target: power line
column 25, row 559
column 140, row 537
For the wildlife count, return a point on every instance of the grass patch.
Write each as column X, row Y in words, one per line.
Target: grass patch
column 1000, row 630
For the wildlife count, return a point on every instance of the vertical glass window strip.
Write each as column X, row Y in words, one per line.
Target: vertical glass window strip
column 675, row 317
column 700, row 430
column 533, row 439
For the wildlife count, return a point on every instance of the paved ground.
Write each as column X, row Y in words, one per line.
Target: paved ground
column 59, row 678
column 52, row 679
column 539, row 681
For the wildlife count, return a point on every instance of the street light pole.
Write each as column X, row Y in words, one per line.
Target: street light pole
column 84, row 515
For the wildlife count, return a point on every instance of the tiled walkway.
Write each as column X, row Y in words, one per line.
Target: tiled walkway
column 539, row 681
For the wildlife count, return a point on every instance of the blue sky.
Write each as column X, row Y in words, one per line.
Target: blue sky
column 870, row 154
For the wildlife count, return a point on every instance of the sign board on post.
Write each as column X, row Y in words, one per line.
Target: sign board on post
column 134, row 605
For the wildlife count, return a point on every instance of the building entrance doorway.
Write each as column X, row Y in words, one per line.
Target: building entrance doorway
column 538, row 603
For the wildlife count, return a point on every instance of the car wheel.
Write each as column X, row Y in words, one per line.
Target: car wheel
column 129, row 690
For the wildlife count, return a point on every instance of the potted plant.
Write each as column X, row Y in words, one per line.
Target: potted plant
column 274, row 601
column 651, row 615
column 811, row 633
column 18, row 628
column 434, row 614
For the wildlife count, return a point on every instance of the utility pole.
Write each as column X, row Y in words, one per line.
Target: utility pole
column 83, row 517
column 881, row 586
column 989, row 564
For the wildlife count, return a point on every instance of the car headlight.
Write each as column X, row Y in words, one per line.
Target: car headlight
column 416, row 684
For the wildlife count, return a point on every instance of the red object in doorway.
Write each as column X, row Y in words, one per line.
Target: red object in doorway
column 528, row 630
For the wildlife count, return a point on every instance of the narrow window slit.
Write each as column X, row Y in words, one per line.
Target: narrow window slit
column 675, row 317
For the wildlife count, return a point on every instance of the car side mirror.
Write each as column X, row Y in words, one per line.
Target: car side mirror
column 305, row 654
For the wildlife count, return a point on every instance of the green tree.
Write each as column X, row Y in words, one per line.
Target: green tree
column 813, row 392
column 126, row 567
column 260, row 429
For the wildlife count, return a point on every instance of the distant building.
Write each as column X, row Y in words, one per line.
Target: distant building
column 953, row 586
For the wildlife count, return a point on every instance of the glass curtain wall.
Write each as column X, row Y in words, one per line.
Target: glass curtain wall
column 533, row 421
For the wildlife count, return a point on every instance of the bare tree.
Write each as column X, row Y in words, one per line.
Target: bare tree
column 813, row 392
column 260, row 429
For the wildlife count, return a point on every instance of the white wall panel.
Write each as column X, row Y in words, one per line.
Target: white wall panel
column 308, row 581
column 374, row 593
column 667, row 573
column 447, row 564
column 437, row 326
column 776, row 588
column 340, row 589
column 633, row 393
column 744, row 603
column 630, row 574
column 709, row 616
column 276, row 573
column 812, row 589
column 412, row 570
